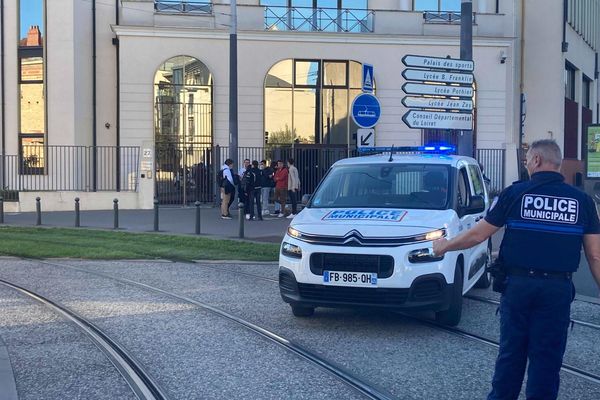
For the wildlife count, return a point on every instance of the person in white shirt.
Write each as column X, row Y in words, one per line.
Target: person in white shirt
column 293, row 186
column 227, row 188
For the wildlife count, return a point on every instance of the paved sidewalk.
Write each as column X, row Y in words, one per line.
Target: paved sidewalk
column 176, row 220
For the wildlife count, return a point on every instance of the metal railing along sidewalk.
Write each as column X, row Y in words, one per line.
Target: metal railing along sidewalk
column 70, row 168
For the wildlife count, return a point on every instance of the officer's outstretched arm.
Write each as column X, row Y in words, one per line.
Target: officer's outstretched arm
column 591, row 246
column 480, row 232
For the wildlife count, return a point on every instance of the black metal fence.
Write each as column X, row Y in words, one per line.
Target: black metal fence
column 70, row 168
column 186, row 174
column 493, row 161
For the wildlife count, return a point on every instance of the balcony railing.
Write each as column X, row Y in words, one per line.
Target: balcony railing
column 183, row 7
column 448, row 17
column 307, row 19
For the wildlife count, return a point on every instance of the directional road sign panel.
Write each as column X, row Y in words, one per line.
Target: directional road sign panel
column 437, row 90
column 367, row 78
column 366, row 110
column 438, row 63
column 365, row 138
column 416, row 119
column 431, row 102
column 437, row 76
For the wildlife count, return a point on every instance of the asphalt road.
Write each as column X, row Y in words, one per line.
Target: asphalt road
column 197, row 354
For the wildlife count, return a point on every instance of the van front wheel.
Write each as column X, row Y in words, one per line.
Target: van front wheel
column 452, row 315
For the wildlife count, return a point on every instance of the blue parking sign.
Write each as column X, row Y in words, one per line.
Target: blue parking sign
column 367, row 78
column 366, row 110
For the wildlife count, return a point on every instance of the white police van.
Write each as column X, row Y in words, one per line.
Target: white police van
column 365, row 236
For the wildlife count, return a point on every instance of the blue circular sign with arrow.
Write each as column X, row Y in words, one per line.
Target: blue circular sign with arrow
column 366, row 110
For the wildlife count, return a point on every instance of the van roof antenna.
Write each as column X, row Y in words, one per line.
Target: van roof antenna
column 391, row 153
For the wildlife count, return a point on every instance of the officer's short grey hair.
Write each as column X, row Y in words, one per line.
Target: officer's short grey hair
column 548, row 150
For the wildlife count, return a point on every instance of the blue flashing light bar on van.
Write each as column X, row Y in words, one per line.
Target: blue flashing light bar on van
column 432, row 149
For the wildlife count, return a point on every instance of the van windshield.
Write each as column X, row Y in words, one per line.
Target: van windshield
column 423, row 186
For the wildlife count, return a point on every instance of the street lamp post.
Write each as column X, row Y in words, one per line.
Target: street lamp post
column 233, row 92
column 465, row 138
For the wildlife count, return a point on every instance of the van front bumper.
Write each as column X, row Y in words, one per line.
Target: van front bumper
column 427, row 292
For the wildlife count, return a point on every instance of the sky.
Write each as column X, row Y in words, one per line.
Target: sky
column 31, row 14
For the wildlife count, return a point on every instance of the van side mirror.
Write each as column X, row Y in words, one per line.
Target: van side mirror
column 476, row 205
column 305, row 199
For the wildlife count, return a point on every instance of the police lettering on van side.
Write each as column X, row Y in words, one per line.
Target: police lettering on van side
column 537, row 207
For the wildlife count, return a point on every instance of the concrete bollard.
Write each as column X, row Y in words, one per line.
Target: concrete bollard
column 1, row 210
column 77, row 219
column 155, row 215
column 116, row 213
column 242, row 216
column 38, row 211
column 197, row 204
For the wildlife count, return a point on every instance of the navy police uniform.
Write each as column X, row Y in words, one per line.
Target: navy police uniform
column 545, row 222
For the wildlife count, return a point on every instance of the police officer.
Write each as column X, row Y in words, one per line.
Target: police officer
column 547, row 221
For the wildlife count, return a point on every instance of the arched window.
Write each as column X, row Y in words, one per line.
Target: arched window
column 307, row 102
column 183, row 101
column 183, row 131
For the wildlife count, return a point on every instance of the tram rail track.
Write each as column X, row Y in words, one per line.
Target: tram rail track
column 480, row 299
column 368, row 390
column 141, row 382
column 579, row 372
column 487, row 300
column 347, row 377
column 589, row 376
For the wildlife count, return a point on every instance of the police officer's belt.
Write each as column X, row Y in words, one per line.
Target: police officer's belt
column 536, row 273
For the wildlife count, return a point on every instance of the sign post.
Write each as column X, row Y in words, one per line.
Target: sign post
column 465, row 138
column 365, row 110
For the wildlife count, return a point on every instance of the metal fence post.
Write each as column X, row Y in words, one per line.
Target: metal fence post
column 216, row 170
column 38, row 211
column 241, row 217
column 116, row 213
column 155, row 215
column 77, row 219
column 1, row 210
column 197, row 204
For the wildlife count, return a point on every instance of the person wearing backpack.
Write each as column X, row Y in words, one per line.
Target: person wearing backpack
column 267, row 183
column 246, row 188
column 227, row 185
column 254, row 187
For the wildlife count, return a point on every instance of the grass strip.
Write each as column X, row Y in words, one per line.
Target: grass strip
column 110, row 245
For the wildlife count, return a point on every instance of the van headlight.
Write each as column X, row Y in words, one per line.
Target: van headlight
column 291, row 250
column 295, row 233
column 435, row 235
column 423, row 256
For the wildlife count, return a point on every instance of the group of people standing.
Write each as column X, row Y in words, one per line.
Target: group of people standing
column 254, row 183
